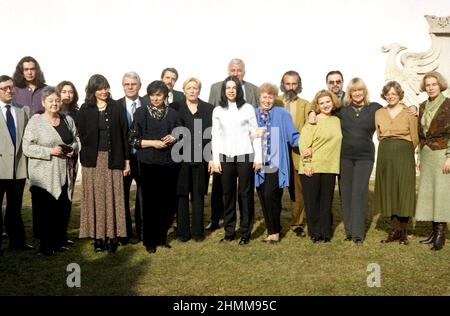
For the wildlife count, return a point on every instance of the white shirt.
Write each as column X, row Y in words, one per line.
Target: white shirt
column 13, row 112
column 231, row 132
column 129, row 102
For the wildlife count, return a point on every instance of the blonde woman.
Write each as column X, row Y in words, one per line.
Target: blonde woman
column 318, row 172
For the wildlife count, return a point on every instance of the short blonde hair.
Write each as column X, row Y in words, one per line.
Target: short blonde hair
column 353, row 85
column 268, row 88
column 325, row 93
column 192, row 79
column 439, row 77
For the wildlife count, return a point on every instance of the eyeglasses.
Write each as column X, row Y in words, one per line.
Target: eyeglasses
column 6, row 88
column 335, row 82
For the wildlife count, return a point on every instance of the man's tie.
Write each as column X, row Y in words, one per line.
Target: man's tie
column 133, row 109
column 10, row 124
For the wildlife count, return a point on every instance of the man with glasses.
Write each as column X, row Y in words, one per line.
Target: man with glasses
column 131, row 83
column 13, row 164
column 335, row 83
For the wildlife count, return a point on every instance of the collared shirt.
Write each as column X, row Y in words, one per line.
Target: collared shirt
column 170, row 97
column 26, row 96
column 129, row 114
column 13, row 112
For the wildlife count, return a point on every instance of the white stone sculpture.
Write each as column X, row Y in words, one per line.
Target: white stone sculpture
column 415, row 65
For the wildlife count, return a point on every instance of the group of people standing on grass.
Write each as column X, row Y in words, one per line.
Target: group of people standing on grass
column 171, row 142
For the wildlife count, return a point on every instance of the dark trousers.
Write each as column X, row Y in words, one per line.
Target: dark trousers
column 52, row 217
column 318, row 191
column 134, row 175
column 198, row 201
column 234, row 169
column 13, row 212
column 355, row 175
column 270, row 195
column 159, row 199
column 216, row 199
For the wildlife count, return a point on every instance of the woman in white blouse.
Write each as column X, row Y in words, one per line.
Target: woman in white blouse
column 236, row 155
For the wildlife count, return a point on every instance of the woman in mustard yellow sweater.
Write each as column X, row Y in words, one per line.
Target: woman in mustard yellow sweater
column 318, row 171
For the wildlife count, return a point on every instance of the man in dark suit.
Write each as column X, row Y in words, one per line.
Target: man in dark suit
column 170, row 76
column 131, row 83
column 13, row 164
column 236, row 67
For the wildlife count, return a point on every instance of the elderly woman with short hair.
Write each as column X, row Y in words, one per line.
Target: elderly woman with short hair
column 278, row 131
column 196, row 117
column 49, row 141
column 434, row 134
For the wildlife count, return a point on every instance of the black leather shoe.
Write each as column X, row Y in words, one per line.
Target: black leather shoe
column 113, row 245
column 227, row 238
column 326, row 240
column 358, row 241
column 124, row 240
column 348, row 238
column 22, row 247
column 212, row 227
column 150, row 249
column 243, row 241
column 199, row 238
column 69, row 242
column 99, row 245
column 300, row 232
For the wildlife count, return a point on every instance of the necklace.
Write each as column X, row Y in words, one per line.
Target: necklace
column 357, row 109
column 101, row 108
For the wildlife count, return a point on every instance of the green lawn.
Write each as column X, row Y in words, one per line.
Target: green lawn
column 295, row 266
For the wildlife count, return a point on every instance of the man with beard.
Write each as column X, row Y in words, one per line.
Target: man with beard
column 291, row 86
column 335, row 83
column 170, row 76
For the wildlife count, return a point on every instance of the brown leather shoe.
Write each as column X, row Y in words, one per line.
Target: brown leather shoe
column 403, row 240
column 394, row 234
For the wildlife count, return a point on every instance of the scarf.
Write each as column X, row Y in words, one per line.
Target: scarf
column 265, row 120
column 430, row 110
column 156, row 113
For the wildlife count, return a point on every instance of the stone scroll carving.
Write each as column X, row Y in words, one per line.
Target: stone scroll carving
column 415, row 65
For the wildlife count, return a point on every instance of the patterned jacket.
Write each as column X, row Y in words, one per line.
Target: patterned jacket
column 438, row 133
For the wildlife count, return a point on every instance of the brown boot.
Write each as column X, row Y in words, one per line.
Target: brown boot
column 403, row 240
column 394, row 234
column 439, row 241
column 430, row 239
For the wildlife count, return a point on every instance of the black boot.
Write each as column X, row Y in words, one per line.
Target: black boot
column 430, row 239
column 394, row 234
column 439, row 241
